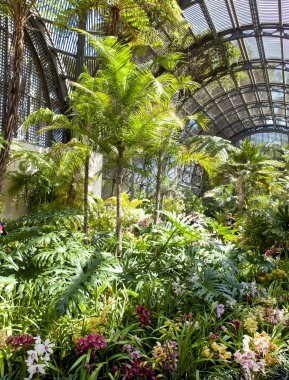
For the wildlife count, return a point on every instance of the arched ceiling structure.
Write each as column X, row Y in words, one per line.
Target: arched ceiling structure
column 243, row 88
column 250, row 92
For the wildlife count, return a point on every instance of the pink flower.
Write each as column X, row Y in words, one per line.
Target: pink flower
column 93, row 341
column 214, row 336
column 24, row 340
column 135, row 354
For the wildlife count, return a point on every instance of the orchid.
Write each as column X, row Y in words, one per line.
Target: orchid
column 35, row 369
column 220, row 310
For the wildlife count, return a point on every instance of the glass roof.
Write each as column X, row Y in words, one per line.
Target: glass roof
column 249, row 94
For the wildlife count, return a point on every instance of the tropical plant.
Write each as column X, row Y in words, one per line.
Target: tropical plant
column 52, row 179
column 129, row 20
column 248, row 165
column 124, row 106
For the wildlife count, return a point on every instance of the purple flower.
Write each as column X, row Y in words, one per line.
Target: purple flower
column 144, row 316
column 127, row 348
column 135, row 354
column 220, row 310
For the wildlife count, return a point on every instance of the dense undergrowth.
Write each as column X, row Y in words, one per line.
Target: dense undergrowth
column 186, row 300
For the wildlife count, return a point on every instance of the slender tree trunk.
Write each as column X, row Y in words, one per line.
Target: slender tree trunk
column 85, row 196
column 241, row 192
column 11, row 119
column 132, row 185
column 80, row 46
column 158, row 187
column 71, row 194
column 113, row 181
column 119, row 179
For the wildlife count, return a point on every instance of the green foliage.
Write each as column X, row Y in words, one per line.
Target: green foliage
column 103, row 213
column 53, row 179
column 56, row 286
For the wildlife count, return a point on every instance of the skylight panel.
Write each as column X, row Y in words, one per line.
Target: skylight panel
column 252, row 48
column 275, row 76
column 285, row 12
column 219, row 14
column 268, row 11
column 196, row 19
column 243, row 12
column 286, row 47
column 272, row 47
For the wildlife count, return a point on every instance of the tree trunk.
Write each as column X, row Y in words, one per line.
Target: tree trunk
column 113, row 24
column 158, row 188
column 85, row 196
column 132, row 183
column 11, row 119
column 113, row 181
column 119, row 178
column 79, row 68
column 241, row 192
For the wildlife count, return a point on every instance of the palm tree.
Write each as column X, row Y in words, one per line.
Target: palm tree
column 247, row 165
column 19, row 11
column 77, row 120
column 131, row 20
column 208, row 151
column 124, row 107
column 130, row 107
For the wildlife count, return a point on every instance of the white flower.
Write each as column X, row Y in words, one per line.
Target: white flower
column 48, row 346
column 196, row 325
column 177, row 287
column 33, row 357
column 45, row 347
column 37, row 339
column 246, row 341
column 40, row 348
column 37, row 368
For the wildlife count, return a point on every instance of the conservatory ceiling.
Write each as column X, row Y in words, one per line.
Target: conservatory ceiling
column 248, row 93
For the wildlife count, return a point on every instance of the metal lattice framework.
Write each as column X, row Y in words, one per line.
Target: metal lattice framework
column 42, row 84
column 246, row 93
column 249, row 93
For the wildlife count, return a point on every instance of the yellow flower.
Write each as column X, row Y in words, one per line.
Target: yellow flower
column 270, row 360
column 215, row 346
column 227, row 355
column 222, row 349
column 158, row 353
column 262, row 278
column 251, row 324
column 206, row 353
column 75, row 337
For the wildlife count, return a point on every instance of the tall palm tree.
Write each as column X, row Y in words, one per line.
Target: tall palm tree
column 124, row 107
column 19, row 11
column 129, row 108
